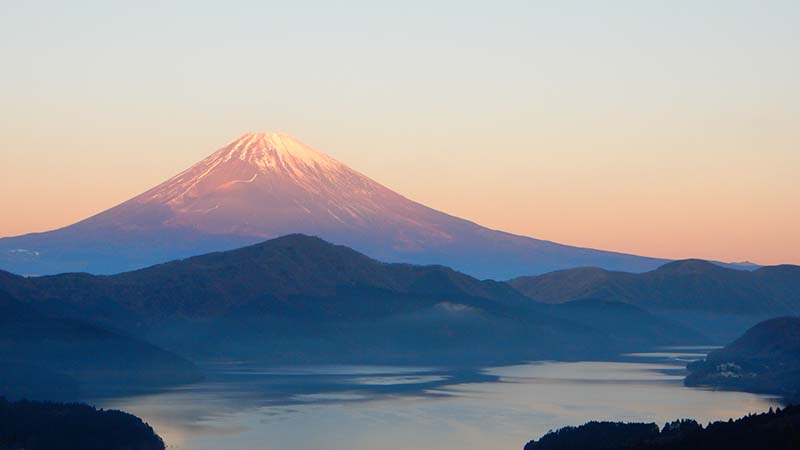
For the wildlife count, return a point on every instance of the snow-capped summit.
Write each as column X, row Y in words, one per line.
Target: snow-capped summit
column 271, row 156
column 270, row 184
column 264, row 185
column 276, row 151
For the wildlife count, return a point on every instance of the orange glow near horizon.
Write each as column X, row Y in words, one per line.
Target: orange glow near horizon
column 639, row 127
column 731, row 208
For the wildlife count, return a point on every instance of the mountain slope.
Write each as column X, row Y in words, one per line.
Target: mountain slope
column 265, row 185
column 765, row 359
column 299, row 298
column 54, row 358
column 292, row 275
column 689, row 285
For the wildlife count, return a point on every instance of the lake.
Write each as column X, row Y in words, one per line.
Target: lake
column 251, row 407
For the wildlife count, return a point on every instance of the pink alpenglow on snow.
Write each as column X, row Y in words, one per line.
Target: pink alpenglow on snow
column 265, row 185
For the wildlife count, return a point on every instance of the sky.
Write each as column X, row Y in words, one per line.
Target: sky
column 661, row 128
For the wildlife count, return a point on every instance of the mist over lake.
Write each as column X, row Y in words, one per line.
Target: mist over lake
column 245, row 407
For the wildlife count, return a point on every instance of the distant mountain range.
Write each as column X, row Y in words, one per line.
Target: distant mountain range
column 720, row 301
column 687, row 285
column 299, row 298
column 265, row 185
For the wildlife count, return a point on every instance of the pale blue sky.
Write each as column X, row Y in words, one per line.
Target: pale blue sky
column 594, row 123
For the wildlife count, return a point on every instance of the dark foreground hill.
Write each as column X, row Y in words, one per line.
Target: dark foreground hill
column 27, row 425
column 721, row 301
column 300, row 299
column 779, row 430
column 55, row 358
column 766, row 359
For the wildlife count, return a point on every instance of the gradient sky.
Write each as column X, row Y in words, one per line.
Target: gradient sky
column 663, row 128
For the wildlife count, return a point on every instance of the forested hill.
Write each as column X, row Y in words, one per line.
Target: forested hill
column 773, row 430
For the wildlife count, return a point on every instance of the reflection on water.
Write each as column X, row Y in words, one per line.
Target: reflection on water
column 244, row 407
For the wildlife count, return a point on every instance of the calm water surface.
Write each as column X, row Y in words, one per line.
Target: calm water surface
column 247, row 407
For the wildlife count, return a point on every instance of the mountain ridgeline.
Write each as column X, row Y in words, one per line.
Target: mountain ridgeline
column 266, row 185
column 722, row 301
column 299, row 298
column 682, row 285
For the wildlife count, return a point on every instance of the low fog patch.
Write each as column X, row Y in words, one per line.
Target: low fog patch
column 455, row 308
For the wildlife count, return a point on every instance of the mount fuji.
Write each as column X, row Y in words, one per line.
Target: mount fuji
column 265, row 185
